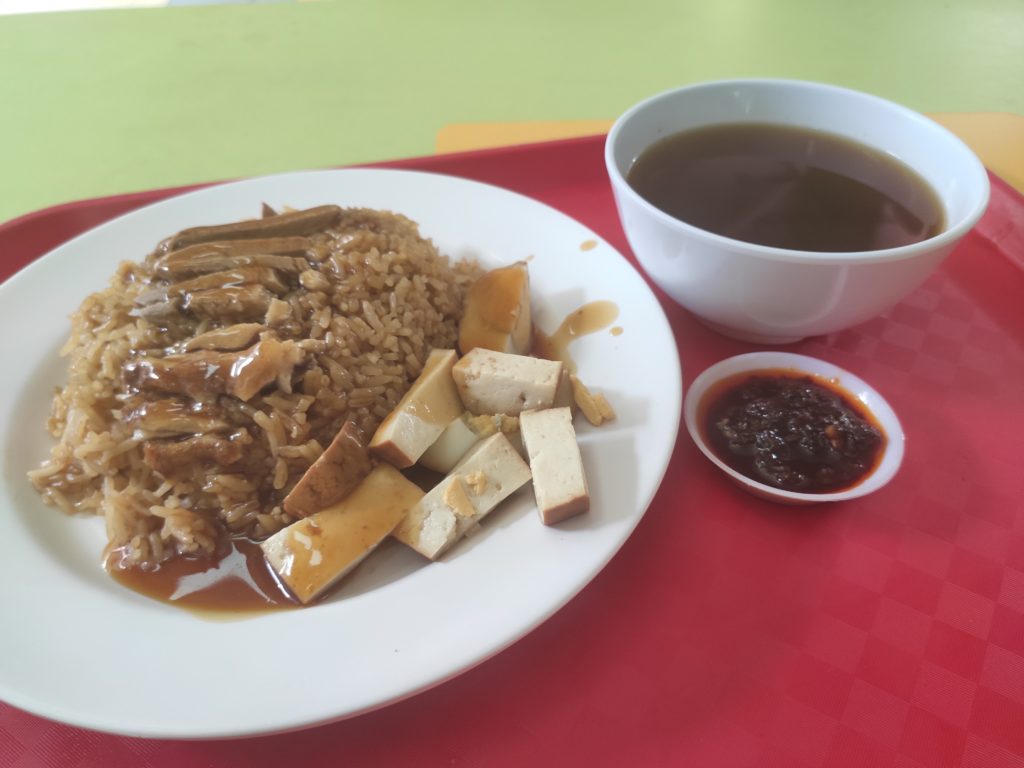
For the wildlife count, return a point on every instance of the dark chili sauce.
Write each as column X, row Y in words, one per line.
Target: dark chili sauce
column 791, row 430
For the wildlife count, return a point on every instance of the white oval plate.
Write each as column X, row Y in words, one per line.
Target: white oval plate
column 79, row 648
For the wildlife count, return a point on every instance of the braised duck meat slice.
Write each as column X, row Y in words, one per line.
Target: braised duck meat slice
column 206, row 373
column 169, row 457
column 172, row 417
column 303, row 222
column 263, row 363
column 164, row 312
column 230, row 338
column 286, row 254
column 234, row 302
column 265, row 276
column 196, row 374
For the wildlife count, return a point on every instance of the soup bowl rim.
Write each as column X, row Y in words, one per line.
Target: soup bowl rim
column 951, row 232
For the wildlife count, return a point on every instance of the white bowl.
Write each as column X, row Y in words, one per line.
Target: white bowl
column 774, row 295
column 883, row 472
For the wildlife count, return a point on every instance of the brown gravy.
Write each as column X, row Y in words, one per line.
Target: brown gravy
column 787, row 187
column 238, row 583
column 590, row 318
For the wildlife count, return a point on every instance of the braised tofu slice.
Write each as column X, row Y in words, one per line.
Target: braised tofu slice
column 489, row 474
column 497, row 312
column 487, row 424
column 312, row 554
column 563, row 396
column 465, row 432
column 495, row 382
column 333, row 476
column 456, row 440
column 559, row 482
column 430, row 405
column 432, row 526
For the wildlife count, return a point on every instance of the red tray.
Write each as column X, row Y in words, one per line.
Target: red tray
column 728, row 631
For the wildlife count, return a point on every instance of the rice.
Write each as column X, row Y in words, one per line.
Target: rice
column 375, row 298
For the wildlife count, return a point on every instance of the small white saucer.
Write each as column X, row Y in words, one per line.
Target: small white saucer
column 892, row 456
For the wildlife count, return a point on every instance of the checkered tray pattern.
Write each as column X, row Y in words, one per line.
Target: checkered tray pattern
column 887, row 631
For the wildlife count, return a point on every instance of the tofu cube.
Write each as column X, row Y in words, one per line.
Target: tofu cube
column 495, row 382
column 497, row 311
column 559, row 482
column 313, row 553
column 333, row 476
column 488, row 474
column 450, row 447
column 563, row 396
column 430, row 405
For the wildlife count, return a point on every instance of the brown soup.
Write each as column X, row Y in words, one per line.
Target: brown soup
column 787, row 187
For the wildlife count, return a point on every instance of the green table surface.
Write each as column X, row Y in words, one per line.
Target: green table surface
column 101, row 102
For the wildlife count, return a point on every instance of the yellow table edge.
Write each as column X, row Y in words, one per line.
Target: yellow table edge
column 996, row 137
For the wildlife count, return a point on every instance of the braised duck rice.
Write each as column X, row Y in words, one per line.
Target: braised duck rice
column 204, row 381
